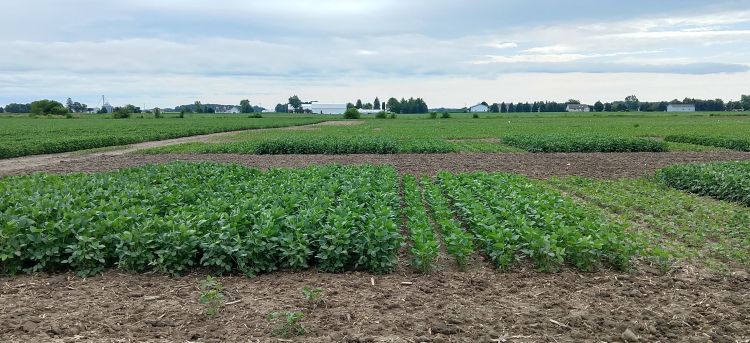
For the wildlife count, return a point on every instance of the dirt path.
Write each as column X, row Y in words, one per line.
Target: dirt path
column 599, row 165
column 8, row 166
column 480, row 305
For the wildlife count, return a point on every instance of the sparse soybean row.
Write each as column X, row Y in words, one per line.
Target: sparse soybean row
column 424, row 246
column 515, row 218
column 458, row 243
column 174, row 217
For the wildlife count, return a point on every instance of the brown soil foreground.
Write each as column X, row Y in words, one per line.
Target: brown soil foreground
column 599, row 165
column 481, row 305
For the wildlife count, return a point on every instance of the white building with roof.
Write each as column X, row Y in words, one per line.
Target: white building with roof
column 479, row 108
column 680, row 108
column 577, row 108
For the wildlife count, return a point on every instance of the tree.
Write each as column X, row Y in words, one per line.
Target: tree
column 157, row 113
column 69, row 105
column 18, row 108
column 295, row 102
column 121, row 112
column 485, row 103
column 349, row 105
column 574, row 101
column 494, row 108
column 46, row 107
column 198, row 107
column 2, row 110
column 358, row 105
column 607, row 107
column 280, row 108
column 745, row 101
column 376, row 103
column 503, row 108
column 598, row 106
column 511, row 108
column 632, row 104
column 245, row 106
column 351, row 113
column 393, row 105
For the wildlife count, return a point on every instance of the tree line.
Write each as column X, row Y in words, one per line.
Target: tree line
column 629, row 104
column 404, row 106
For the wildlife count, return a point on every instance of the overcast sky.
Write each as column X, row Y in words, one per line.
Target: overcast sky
column 451, row 53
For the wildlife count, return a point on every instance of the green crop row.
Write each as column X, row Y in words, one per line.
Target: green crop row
column 725, row 180
column 734, row 143
column 424, row 245
column 21, row 137
column 458, row 242
column 515, row 218
column 329, row 145
column 174, row 217
column 582, row 143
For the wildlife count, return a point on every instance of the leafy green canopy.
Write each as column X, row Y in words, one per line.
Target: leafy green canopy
column 734, row 143
column 174, row 217
column 513, row 218
column 726, row 180
column 582, row 143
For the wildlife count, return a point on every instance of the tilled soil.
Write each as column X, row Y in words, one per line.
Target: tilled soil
column 481, row 305
column 599, row 165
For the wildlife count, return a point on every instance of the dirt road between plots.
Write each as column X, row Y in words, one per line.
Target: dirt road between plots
column 481, row 305
column 11, row 165
column 599, row 165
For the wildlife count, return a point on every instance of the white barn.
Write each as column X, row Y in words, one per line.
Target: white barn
column 328, row 108
column 479, row 108
column 577, row 108
column 680, row 108
column 317, row 108
column 233, row 110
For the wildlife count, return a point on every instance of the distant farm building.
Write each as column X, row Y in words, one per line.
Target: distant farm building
column 577, row 108
column 680, row 108
column 108, row 107
column 233, row 110
column 479, row 108
column 317, row 108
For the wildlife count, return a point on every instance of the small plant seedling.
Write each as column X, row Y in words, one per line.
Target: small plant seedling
column 313, row 295
column 290, row 326
column 211, row 295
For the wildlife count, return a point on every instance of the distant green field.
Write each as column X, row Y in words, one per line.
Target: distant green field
column 22, row 135
column 485, row 134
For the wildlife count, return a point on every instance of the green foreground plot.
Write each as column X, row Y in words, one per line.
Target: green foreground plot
column 513, row 217
column 227, row 218
column 174, row 217
column 705, row 231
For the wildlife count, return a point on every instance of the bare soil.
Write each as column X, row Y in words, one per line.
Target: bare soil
column 598, row 165
column 481, row 305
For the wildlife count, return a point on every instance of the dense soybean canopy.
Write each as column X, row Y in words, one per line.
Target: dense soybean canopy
column 174, row 217
column 726, row 180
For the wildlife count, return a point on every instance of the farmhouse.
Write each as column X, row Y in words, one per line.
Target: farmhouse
column 479, row 108
column 680, row 108
column 577, row 108
column 233, row 109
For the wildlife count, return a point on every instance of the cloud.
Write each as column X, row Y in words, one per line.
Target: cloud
column 500, row 45
column 288, row 44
